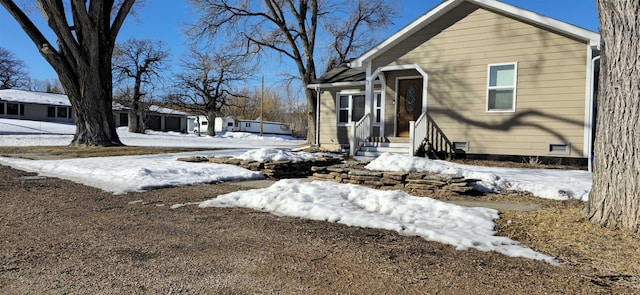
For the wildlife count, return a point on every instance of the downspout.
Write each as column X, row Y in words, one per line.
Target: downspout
column 592, row 102
column 317, row 88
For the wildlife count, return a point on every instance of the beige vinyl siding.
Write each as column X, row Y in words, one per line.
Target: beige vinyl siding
column 333, row 136
column 455, row 52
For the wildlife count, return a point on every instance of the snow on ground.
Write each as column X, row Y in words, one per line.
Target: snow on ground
column 267, row 154
column 348, row 204
column 544, row 183
column 355, row 205
column 134, row 173
column 36, row 133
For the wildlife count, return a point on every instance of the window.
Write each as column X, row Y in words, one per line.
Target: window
column 62, row 112
column 501, row 90
column 461, row 145
column 351, row 107
column 21, row 109
column 559, row 148
column 204, row 123
column 247, row 124
column 56, row 112
column 12, row 109
column 2, row 108
column 229, row 124
column 377, row 108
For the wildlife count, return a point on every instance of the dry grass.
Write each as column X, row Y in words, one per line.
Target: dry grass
column 60, row 152
column 564, row 232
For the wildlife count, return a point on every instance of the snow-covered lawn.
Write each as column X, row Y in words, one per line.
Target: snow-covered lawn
column 349, row 204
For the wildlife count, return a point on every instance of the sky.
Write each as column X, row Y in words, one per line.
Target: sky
column 163, row 20
column 352, row 205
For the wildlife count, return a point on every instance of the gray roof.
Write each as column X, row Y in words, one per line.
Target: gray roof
column 343, row 73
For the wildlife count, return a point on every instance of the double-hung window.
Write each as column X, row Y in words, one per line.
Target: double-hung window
column 351, row 107
column 501, row 90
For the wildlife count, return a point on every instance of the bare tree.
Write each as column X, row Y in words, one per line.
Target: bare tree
column 290, row 28
column 86, row 33
column 349, row 36
column 135, row 63
column 52, row 85
column 207, row 82
column 13, row 71
column 614, row 200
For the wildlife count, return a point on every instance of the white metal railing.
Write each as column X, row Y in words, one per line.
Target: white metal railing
column 360, row 131
column 417, row 133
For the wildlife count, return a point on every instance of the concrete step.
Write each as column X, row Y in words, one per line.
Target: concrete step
column 386, row 144
column 392, row 149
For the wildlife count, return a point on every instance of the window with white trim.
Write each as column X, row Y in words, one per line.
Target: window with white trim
column 501, row 88
column 377, row 109
column 351, row 107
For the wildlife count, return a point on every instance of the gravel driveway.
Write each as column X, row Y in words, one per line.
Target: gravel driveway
column 59, row 237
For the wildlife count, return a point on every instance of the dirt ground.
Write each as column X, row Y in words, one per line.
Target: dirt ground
column 59, row 237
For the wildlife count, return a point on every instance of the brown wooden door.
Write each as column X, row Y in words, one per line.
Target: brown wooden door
column 409, row 105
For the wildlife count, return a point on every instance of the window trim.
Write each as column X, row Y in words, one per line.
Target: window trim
column 349, row 108
column 514, row 87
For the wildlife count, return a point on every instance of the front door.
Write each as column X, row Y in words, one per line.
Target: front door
column 409, row 105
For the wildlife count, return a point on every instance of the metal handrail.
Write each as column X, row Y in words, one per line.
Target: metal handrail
column 438, row 141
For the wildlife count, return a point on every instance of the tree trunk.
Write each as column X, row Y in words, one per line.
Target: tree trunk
column 82, row 59
column 211, row 127
column 311, row 116
column 614, row 200
column 133, row 120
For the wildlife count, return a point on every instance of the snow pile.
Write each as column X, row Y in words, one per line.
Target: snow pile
column 270, row 154
column 391, row 210
column 247, row 135
column 543, row 183
column 133, row 173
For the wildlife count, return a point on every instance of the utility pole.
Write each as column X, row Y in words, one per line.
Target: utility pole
column 261, row 105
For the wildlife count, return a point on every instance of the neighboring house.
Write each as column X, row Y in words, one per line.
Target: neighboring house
column 158, row 118
column 470, row 76
column 36, row 106
column 229, row 123
column 40, row 106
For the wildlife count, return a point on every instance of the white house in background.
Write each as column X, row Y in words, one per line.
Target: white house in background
column 229, row 123
column 36, row 106
column 40, row 106
column 158, row 118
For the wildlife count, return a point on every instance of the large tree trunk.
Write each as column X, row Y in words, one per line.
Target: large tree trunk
column 211, row 127
column 86, row 32
column 91, row 99
column 614, row 200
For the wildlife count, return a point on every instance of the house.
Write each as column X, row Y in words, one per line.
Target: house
column 40, row 106
column 158, row 118
column 36, row 106
column 229, row 123
column 474, row 77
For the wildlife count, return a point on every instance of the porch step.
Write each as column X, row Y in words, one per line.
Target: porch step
column 375, row 149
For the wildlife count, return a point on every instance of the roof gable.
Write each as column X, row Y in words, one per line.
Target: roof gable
column 551, row 24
